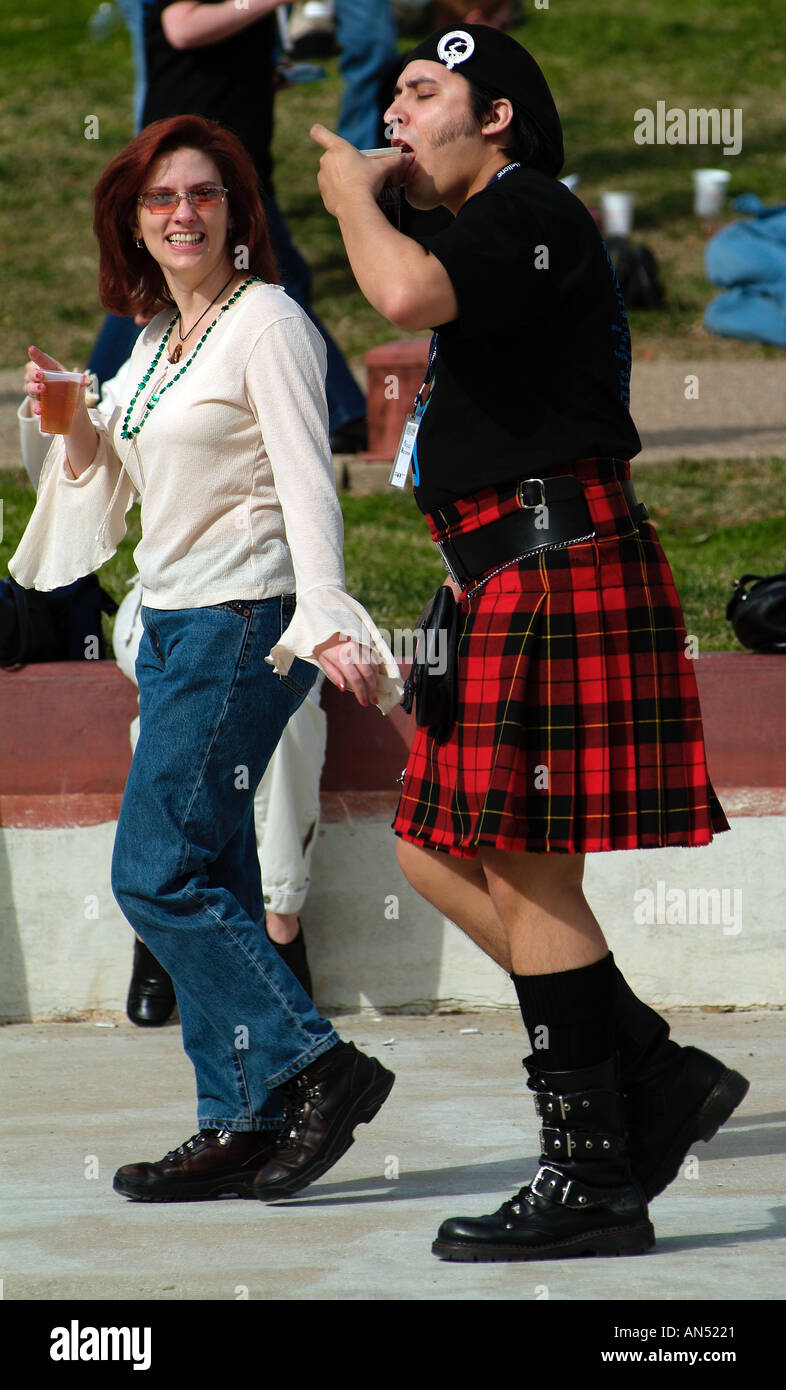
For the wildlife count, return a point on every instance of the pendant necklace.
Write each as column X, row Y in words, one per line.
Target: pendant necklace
column 177, row 351
column 127, row 430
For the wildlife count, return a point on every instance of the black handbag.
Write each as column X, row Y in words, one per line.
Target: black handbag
column 432, row 683
column 759, row 617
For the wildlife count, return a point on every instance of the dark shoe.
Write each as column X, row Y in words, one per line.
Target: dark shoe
column 350, row 438
column 212, row 1163
column 670, row 1113
column 583, row 1200
column 674, row 1095
column 293, row 954
column 151, row 997
column 341, row 1089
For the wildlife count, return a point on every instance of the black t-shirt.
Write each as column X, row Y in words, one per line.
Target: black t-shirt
column 535, row 371
column 230, row 82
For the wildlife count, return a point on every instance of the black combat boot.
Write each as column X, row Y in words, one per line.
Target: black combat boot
column 583, row 1199
column 674, row 1096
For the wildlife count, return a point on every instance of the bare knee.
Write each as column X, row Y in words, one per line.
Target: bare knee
column 436, row 875
column 415, row 862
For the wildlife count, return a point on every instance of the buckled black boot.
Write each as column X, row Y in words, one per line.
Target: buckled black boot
column 674, row 1096
column 582, row 1200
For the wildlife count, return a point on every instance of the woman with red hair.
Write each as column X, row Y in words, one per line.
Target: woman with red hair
column 224, row 439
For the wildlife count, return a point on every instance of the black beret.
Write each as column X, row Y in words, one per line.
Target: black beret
column 496, row 63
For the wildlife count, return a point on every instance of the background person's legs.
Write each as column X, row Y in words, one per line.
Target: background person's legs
column 286, row 812
column 367, row 38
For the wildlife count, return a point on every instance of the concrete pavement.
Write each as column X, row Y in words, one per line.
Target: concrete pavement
column 457, row 1136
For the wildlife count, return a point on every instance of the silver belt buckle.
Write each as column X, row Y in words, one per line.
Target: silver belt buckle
column 531, row 506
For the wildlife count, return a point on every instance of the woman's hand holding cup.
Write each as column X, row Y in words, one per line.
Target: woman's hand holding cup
column 56, row 393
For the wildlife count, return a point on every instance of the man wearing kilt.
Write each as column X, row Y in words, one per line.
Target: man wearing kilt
column 578, row 726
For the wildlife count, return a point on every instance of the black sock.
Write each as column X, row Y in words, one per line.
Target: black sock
column 641, row 1036
column 569, row 1016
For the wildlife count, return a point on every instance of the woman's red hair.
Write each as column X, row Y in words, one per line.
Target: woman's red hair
column 129, row 280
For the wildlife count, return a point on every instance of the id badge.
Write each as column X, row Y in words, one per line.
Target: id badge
column 403, row 460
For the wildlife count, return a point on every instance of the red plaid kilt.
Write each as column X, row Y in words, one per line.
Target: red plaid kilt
column 579, row 726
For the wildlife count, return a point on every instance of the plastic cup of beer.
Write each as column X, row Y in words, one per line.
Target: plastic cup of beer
column 59, row 400
column 389, row 199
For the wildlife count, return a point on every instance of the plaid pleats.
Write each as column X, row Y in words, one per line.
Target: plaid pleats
column 579, row 727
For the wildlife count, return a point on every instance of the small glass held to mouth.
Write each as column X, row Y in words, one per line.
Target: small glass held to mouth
column 389, row 199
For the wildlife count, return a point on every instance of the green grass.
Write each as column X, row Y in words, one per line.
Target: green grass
column 603, row 60
column 716, row 521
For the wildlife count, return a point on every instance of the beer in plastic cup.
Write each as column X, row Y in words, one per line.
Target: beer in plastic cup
column 389, row 200
column 709, row 191
column 616, row 213
column 59, row 400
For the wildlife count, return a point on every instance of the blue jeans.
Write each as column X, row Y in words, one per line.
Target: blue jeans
column 132, row 12
column 112, row 347
column 185, row 870
column 367, row 36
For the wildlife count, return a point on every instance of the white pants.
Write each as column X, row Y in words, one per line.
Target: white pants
column 286, row 805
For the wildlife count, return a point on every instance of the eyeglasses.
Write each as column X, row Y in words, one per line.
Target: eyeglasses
column 164, row 200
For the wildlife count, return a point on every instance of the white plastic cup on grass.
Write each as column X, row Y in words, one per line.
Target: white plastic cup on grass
column 616, row 213
column 709, row 191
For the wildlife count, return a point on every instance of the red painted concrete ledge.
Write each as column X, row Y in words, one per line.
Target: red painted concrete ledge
column 65, row 752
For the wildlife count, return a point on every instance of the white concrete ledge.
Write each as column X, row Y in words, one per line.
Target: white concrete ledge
column 700, row 927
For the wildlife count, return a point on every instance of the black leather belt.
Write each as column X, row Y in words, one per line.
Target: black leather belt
column 552, row 511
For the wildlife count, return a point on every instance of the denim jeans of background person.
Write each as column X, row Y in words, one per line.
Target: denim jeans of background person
column 367, row 37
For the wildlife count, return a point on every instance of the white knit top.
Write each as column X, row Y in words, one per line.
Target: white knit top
column 234, row 472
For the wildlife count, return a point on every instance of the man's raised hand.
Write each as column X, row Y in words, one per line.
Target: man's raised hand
column 344, row 172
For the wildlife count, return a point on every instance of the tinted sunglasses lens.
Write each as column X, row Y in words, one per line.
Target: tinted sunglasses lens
column 160, row 202
column 169, row 202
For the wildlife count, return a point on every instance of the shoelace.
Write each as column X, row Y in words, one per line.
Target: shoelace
column 180, row 1151
column 513, row 1206
column 295, row 1112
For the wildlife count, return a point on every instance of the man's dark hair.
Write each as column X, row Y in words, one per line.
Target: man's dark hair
column 524, row 141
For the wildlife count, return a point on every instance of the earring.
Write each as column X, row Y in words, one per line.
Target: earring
column 138, row 242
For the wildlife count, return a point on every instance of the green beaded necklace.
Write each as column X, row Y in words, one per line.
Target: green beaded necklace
column 125, row 432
